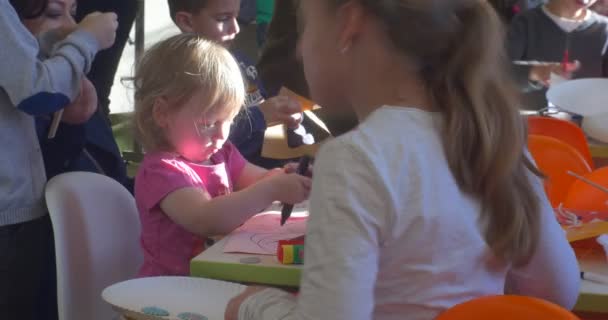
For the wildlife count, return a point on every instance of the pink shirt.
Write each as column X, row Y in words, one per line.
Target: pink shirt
column 167, row 246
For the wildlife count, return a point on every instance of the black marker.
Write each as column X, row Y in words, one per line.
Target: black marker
column 287, row 208
column 594, row 277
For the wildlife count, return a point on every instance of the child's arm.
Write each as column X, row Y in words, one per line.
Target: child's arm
column 195, row 210
column 250, row 175
column 605, row 61
column 41, row 87
column 342, row 245
column 552, row 273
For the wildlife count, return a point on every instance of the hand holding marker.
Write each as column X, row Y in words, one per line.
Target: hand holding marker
column 302, row 169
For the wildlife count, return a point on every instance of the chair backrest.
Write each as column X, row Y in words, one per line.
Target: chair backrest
column 96, row 228
column 585, row 197
column 563, row 130
column 507, row 307
column 555, row 158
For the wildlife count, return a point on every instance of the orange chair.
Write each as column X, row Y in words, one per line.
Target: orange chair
column 563, row 130
column 585, row 197
column 555, row 158
column 507, row 307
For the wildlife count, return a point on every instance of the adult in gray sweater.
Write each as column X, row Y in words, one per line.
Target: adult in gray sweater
column 542, row 38
column 31, row 85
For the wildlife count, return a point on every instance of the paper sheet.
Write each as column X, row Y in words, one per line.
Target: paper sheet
column 261, row 233
column 589, row 224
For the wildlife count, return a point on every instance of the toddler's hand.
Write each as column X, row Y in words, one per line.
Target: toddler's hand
column 84, row 106
column 282, row 109
column 102, row 26
column 289, row 188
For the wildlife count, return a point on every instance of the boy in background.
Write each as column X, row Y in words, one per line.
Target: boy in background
column 216, row 20
column 563, row 37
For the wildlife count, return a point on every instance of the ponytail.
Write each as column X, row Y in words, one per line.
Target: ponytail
column 484, row 135
column 457, row 47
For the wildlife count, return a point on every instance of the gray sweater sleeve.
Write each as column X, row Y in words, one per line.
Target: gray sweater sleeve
column 605, row 61
column 41, row 86
column 46, row 42
column 517, row 38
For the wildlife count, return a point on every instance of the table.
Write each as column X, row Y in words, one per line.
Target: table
column 593, row 296
column 599, row 152
column 213, row 263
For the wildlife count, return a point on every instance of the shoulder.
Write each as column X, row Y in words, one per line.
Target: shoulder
column 160, row 174
column 228, row 152
column 528, row 16
column 231, row 157
column 599, row 20
column 161, row 166
column 394, row 129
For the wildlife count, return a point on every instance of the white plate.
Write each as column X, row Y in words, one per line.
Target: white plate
column 586, row 97
column 597, row 127
column 174, row 294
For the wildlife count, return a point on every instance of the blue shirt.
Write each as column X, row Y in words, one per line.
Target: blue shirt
column 247, row 132
column 87, row 147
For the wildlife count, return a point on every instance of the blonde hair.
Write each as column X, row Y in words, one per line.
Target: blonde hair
column 175, row 69
column 457, row 47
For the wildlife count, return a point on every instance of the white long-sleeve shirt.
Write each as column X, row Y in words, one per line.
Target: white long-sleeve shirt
column 391, row 236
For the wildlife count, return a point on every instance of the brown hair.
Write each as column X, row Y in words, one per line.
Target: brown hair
column 175, row 69
column 29, row 9
column 190, row 6
column 457, row 46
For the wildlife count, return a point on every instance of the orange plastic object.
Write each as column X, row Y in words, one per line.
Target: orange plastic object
column 583, row 196
column 555, row 158
column 563, row 130
column 507, row 307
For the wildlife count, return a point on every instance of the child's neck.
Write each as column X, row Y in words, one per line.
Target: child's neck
column 566, row 10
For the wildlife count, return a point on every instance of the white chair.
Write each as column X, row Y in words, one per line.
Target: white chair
column 96, row 229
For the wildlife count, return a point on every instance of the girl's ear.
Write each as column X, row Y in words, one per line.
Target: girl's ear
column 351, row 21
column 183, row 20
column 160, row 112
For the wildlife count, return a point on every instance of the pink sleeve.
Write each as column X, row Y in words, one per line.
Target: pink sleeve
column 235, row 162
column 159, row 177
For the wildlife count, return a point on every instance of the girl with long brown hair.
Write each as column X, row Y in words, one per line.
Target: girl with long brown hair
column 432, row 200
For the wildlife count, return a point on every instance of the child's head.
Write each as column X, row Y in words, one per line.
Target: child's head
column 187, row 92
column 451, row 54
column 57, row 14
column 211, row 19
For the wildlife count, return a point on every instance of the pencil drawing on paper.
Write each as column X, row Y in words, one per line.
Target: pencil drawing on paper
column 261, row 234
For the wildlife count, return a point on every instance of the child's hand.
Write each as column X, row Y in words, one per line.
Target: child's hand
column 102, row 26
column 232, row 309
column 84, row 106
column 282, row 109
column 289, row 188
column 542, row 73
column 292, row 167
